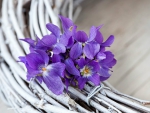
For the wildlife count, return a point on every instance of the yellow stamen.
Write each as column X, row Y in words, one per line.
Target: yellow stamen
column 83, row 44
column 71, row 28
column 86, row 70
column 44, row 69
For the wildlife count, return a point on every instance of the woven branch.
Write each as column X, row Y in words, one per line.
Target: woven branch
column 24, row 18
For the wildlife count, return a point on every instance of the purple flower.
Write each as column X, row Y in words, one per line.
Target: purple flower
column 89, row 46
column 84, row 70
column 47, row 43
column 70, row 80
column 38, row 66
column 107, row 43
column 69, row 28
column 88, row 72
column 69, row 57
column 106, row 61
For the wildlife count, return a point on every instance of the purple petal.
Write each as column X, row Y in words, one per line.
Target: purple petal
column 40, row 45
column 22, row 59
column 70, row 42
column 54, row 83
column 74, row 30
column 43, row 55
column 101, row 56
column 59, row 48
column 102, row 49
column 104, row 72
column 81, row 36
column 112, row 63
column 29, row 41
column 34, row 60
column 49, row 40
column 109, row 41
column 95, row 65
column 91, row 49
column 103, row 78
column 56, row 58
column 109, row 57
column 76, row 50
column 99, row 27
column 70, row 67
column 66, row 23
column 31, row 71
column 29, row 76
column 81, row 62
column 99, row 37
column 56, row 69
column 68, row 79
column 95, row 78
column 39, row 78
column 93, row 32
column 65, row 38
column 81, row 82
column 54, row 29
column 67, row 83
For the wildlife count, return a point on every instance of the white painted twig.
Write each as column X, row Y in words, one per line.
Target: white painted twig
column 91, row 102
column 21, row 83
column 54, row 18
column 70, row 12
column 144, row 102
column 76, row 13
column 109, row 105
column 7, row 57
column 107, row 84
column 20, row 17
column 115, row 104
column 41, row 17
column 29, row 109
column 16, row 26
column 14, row 87
column 34, row 101
column 11, row 61
column 125, row 101
column 65, row 100
column 3, row 98
column 119, row 106
column 35, row 19
column 47, row 20
column 10, row 88
column 63, row 10
column 42, row 94
column 57, row 6
column 8, row 30
column 30, row 21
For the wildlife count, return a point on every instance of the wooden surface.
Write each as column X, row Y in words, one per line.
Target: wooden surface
column 129, row 21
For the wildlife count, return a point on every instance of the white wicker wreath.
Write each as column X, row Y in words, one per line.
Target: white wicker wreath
column 24, row 18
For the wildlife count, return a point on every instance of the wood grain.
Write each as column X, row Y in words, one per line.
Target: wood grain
column 129, row 21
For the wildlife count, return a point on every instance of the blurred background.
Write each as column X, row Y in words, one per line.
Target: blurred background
column 129, row 22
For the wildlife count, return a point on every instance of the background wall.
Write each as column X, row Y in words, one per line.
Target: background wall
column 129, row 22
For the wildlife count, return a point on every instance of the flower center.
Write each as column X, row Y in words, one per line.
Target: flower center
column 71, row 28
column 86, row 71
column 44, row 69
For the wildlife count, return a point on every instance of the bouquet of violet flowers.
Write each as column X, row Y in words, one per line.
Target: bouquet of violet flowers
column 71, row 58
